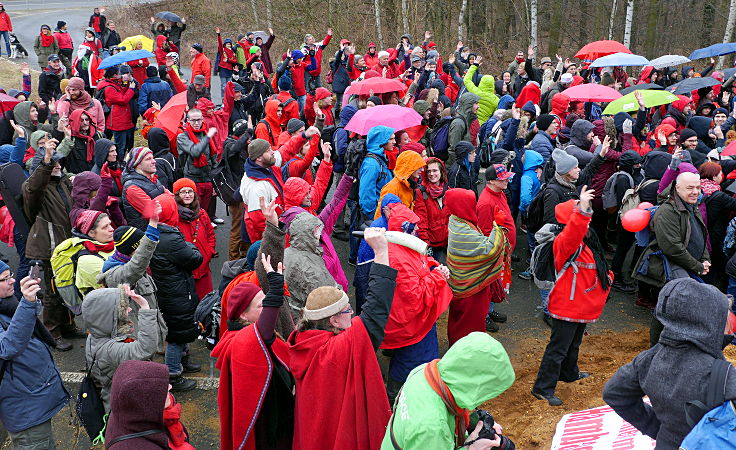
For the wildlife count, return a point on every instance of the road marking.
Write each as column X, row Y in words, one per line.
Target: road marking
column 205, row 384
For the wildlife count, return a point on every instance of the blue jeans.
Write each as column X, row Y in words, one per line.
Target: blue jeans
column 225, row 76
column 301, row 100
column 544, row 300
column 174, row 353
column 6, row 35
column 121, row 140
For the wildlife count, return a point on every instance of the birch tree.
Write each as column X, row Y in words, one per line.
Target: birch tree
column 533, row 23
column 269, row 16
column 255, row 11
column 729, row 29
column 377, row 7
column 405, row 15
column 461, row 21
column 610, row 20
column 629, row 22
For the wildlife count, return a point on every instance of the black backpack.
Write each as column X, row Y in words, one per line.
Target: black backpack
column 535, row 212
column 207, row 317
column 491, row 139
column 439, row 138
column 354, row 155
column 100, row 96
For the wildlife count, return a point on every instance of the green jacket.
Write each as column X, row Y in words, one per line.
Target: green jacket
column 476, row 369
column 671, row 226
column 486, row 90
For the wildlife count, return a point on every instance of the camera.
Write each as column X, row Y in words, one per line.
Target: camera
column 487, row 432
column 311, row 52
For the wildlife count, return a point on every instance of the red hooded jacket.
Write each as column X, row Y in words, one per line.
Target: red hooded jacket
column 309, row 113
column 530, row 92
column 433, row 214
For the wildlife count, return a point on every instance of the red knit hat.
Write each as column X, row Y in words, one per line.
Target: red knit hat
column 169, row 209
column 240, row 298
column 181, row 183
column 86, row 219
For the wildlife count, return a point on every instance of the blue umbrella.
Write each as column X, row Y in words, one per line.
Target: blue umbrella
column 123, row 57
column 168, row 15
column 620, row 59
column 713, row 50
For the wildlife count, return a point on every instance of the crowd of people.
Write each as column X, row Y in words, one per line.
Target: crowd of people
column 123, row 235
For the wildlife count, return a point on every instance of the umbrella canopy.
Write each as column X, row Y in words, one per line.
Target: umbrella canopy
column 394, row 116
column 169, row 118
column 629, row 102
column 129, row 42
column 730, row 149
column 7, row 102
column 713, row 50
column 668, row 60
column 688, row 85
column 595, row 50
column 728, row 73
column 261, row 34
column 123, row 57
column 620, row 59
column 375, row 85
column 639, row 87
column 592, row 93
column 168, row 15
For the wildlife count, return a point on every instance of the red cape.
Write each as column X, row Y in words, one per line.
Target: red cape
column 342, row 372
column 246, row 369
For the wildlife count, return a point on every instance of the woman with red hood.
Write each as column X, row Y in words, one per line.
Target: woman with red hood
column 269, row 128
column 475, row 262
column 678, row 113
column 164, row 46
column 78, row 146
column 530, row 92
column 665, row 138
column 422, row 295
column 371, row 58
column 332, row 358
column 322, row 100
column 429, row 205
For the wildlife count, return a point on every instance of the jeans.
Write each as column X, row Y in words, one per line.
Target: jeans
column 560, row 360
column 225, row 76
column 301, row 100
column 39, row 437
column 544, row 300
column 6, row 35
column 174, row 353
column 121, row 140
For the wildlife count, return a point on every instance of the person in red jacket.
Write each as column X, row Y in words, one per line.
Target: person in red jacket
column 320, row 101
column 139, row 65
column 6, row 27
column 261, row 182
column 201, row 65
column 385, row 67
column 66, row 46
column 228, row 60
column 298, row 165
column 371, row 58
column 314, row 49
column 117, row 95
column 299, row 66
column 577, row 298
column 429, row 205
column 289, row 104
column 269, row 128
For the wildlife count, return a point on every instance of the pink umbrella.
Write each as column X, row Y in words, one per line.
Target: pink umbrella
column 592, row 93
column 393, row 116
column 7, row 103
column 375, row 85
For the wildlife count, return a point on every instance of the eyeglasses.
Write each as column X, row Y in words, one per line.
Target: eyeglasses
column 196, row 120
column 10, row 277
column 348, row 310
column 186, row 192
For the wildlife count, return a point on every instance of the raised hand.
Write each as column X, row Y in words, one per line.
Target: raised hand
column 211, row 132
column 266, row 261
column 19, row 130
column 515, row 112
column 605, row 146
column 586, row 198
column 326, row 151
column 269, row 211
column 138, row 299
column 217, row 30
column 25, row 69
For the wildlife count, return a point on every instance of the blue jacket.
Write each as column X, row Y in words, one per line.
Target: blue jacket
column 14, row 154
column 374, row 172
column 153, row 90
column 530, row 184
column 543, row 144
column 31, row 392
column 340, row 137
column 365, row 252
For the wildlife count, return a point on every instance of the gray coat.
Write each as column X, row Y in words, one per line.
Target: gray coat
column 579, row 145
column 106, row 313
column 676, row 370
column 190, row 151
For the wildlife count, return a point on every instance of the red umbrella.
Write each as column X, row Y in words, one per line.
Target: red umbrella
column 169, row 118
column 730, row 149
column 375, row 85
column 595, row 50
column 592, row 93
column 7, row 102
column 394, row 116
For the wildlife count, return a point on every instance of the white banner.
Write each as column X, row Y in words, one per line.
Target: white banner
column 598, row 428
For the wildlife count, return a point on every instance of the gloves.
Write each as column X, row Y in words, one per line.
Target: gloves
column 628, row 126
column 186, row 213
column 105, row 171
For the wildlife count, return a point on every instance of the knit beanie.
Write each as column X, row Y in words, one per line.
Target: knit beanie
column 136, row 155
column 564, row 162
column 324, row 302
column 254, row 49
column 86, row 220
column 284, row 83
column 251, row 255
column 544, row 121
column 375, row 100
column 257, row 147
column 152, row 71
column 240, row 298
column 421, row 106
column 198, row 47
column 76, row 83
column 294, row 125
column 3, row 266
column 127, row 239
column 60, row 24
column 297, row 54
column 181, row 183
column 413, row 146
column 686, row 134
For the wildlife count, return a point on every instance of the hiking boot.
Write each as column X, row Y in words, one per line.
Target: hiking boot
column 525, row 275
column 74, row 333
column 553, row 400
column 62, row 345
column 491, row 325
column 497, row 317
column 190, row 367
column 581, row 376
column 180, row 384
column 623, row 287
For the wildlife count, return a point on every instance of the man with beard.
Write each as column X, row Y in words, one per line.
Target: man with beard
column 76, row 97
column 261, row 180
column 49, row 82
column 140, row 187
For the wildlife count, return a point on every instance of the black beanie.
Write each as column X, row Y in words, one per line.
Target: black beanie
column 127, row 239
column 544, row 121
column 686, row 134
column 60, row 24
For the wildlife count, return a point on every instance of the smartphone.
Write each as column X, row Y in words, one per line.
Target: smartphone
column 35, row 271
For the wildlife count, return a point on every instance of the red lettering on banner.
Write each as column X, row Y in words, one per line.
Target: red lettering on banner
column 591, row 437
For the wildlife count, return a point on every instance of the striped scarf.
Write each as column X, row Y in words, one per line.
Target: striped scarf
column 475, row 260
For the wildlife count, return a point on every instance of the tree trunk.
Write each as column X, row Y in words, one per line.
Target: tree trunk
column 650, row 41
column 377, row 7
column 610, row 20
column 269, row 16
column 255, row 11
column 629, row 22
column 405, row 14
column 461, row 21
column 729, row 30
column 555, row 26
column 533, row 24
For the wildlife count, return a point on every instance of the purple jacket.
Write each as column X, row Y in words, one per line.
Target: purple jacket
column 328, row 216
column 86, row 183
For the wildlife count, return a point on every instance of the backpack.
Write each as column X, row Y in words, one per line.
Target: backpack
column 631, row 197
column 535, row 211
column 285, row 169
column 224, row 189
column 100, row 96
column 713, row 422
column 354, row 155
column 439, row 141
column 542, row 263
column 729, row 243
column 268, row 127
column 609, row 194
column 488, row 144
column 64, row 260
column 288, row 102
column 89, row 407
column 207, row 317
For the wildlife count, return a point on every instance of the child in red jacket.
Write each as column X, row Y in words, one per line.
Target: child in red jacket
column 577, row 297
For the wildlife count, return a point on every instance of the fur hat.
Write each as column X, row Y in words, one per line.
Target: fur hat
column 257, row 148
column 127, row 239
column 324, row 302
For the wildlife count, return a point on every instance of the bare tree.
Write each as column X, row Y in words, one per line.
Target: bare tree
column 461, row 21
column 255, row 11
column 729, row 29
column 377, row 12
column 610, row 20
column 533, row 23
column 269, row 16
column 629, row 22
column 405, row 15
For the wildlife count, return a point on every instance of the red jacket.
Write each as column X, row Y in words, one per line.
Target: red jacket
column 201, row 66
column 117, row 97
column 5, row 24
column 298, row 166
column 227, row 55
column 309, row 114
column 588, row 297
column 392, row 70
column 433, row 219
column 371, row 60
column 138, row 67
column 297, row 77
column 291, row 111
column 200, row 233
column 63, row 39
column 494, row 207
column 318, row 56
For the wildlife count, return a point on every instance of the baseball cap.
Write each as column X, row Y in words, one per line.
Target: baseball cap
column 200, row 79
column 498, row 172
column 53, row 57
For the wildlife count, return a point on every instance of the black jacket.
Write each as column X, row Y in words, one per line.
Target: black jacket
column 378, row 300
column 171, row 268
column 341, row 78
column 158, row 142
column 255, row 100
column 49, row 86
column 556, row 193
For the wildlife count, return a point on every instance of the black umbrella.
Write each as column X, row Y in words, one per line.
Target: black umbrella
column 638, row 87
column 168, row 15
column 688, row 85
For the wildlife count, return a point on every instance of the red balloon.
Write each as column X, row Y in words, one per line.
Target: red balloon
column 635, row 220
column 644, row 205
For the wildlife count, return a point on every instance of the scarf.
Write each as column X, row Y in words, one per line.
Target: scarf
column 201, row 160
column 462, row 415
column 40, row 332
column 90, row 138
column 47, row 40
column 97, row 247
column 178, row 436
column 82, row 102
column 564, row 182
column 60, row 71
column 474, row 260
column 435, row 190
column 709, row 186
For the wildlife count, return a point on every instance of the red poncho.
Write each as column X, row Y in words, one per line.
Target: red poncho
column 342, row 372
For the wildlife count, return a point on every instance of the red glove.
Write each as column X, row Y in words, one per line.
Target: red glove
column 105, row 171
column 500, row 217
